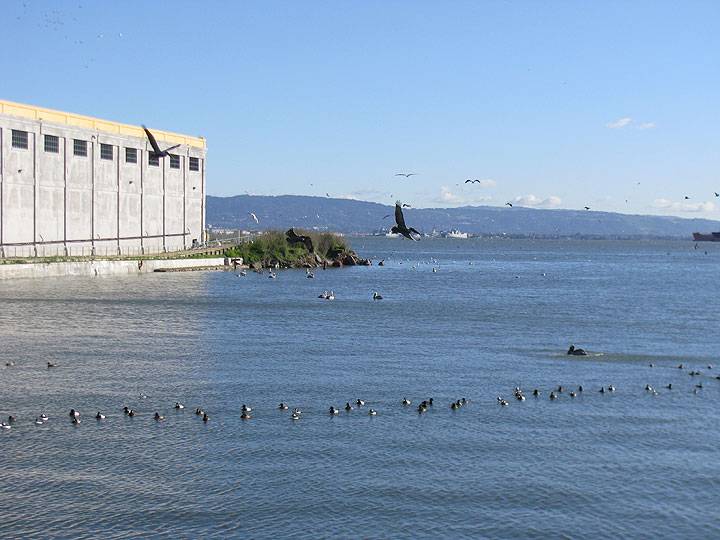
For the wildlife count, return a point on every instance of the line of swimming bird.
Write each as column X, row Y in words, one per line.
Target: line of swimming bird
column 423, row 406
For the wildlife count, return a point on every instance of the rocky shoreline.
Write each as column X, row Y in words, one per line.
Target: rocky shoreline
column 313, row 260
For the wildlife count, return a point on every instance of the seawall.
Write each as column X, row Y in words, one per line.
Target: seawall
column 103, row 268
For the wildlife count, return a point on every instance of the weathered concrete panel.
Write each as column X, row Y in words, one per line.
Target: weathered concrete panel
column 18, row 211
column 51, row 214
column 106, row 214
column 130, row 215
column 79, row 214
column 152, row 215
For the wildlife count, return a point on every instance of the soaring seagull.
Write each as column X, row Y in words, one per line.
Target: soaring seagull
column 401, row 228
column 406, row 175
column 154, row 144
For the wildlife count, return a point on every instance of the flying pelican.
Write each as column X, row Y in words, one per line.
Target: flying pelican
column 156, row 149
column 401, row 228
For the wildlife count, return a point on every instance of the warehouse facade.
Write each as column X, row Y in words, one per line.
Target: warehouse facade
column 76, row 185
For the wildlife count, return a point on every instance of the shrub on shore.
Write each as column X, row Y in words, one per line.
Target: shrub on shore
column 272, row 246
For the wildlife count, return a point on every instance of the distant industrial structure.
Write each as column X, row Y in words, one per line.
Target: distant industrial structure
column 76, row 185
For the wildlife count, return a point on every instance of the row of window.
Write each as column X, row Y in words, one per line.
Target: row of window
column 80, row 149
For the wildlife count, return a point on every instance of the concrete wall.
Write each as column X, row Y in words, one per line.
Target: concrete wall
column 102, row 268
column 62, row 204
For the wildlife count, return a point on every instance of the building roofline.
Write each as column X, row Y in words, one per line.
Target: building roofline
column 88, row 122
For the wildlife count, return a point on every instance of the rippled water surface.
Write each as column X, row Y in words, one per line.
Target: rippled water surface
column 495, row 315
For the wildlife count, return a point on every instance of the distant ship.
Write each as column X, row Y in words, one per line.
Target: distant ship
column 712, row 237
column 456, row 234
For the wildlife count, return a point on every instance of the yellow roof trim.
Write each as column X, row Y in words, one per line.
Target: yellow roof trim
column 88, row 122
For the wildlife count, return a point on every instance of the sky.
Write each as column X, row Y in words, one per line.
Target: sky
column 613, row 105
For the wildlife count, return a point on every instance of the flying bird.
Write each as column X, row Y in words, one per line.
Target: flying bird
column 586, row 207
column 385, row 217
column 252, row 215
column 401, row 228
column 687, row 198
column 716, row 193
column 155, row 147
column 294, row 238
column 406, row 205
column 406, row 175
column 508, row 204
column 468, row 181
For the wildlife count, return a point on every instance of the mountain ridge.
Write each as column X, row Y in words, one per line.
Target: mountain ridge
column 364, row 217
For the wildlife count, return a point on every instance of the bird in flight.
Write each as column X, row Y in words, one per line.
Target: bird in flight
column 716, row 193
column 586, row 207
column 401, row 228
column 508, row 204
column 156, row 149
column 406, row 175
column 687, row 198
column 294, row 238
column 406, row 205
column 252, row 215
column 385, row 217
column 468, row 181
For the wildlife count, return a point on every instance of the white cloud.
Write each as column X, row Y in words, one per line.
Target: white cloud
column 627, row 121
column 449, row 197
column 553, row 201
column 675, row 206
column 619, row 123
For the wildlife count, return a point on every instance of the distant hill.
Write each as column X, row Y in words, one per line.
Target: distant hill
column 351, row 216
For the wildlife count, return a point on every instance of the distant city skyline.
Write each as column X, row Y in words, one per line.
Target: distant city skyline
column 610, row 105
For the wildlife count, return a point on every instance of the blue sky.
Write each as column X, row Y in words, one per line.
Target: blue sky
column 613, row 105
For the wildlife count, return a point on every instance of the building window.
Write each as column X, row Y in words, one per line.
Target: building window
column 52, row 144
column 131, row 155
column 19, row 139
column 79, row 148
column 153, row 159
column 174, row 161
column 194, row 164
column 106, row 151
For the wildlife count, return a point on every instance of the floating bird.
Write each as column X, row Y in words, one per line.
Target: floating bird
column 401, row 228
column 252, row 215
column 406, row 175
column 293, row 238
column 245, row 416
column 51, row 365
column 333, row 410
column 156, row 149
column 508, row 204
column 179, row 405
column 406, row 401
column 99, row 416
column 38, row 422
column 283, row 407
column 245, row 408
column 158, row 418
column 576, row 352
column 205, row 417
column 377, row 296
column 295, row 416
column 372, row 412
column 359, row 402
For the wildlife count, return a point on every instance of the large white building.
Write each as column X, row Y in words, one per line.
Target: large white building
column 76, row 185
